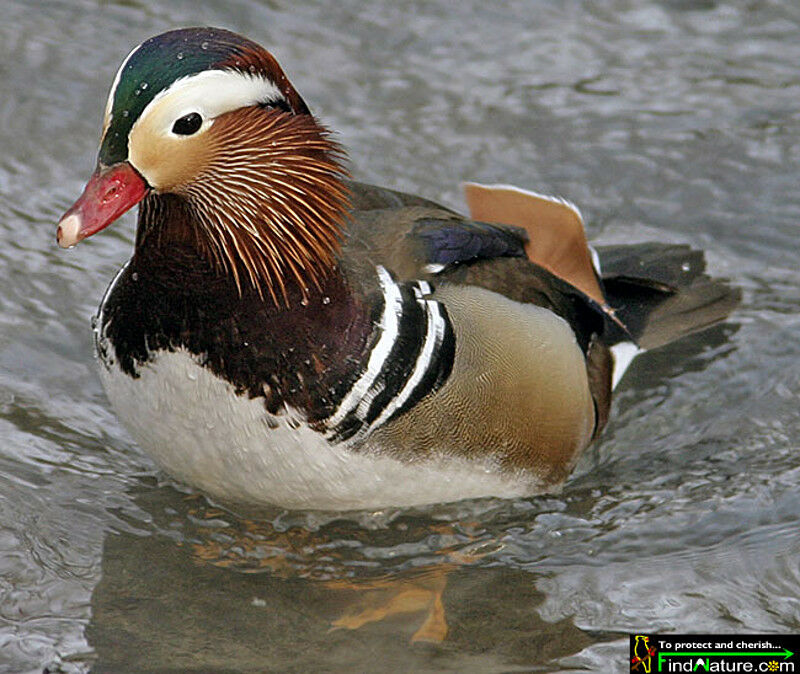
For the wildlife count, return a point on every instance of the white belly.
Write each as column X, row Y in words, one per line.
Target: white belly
column 200, row 431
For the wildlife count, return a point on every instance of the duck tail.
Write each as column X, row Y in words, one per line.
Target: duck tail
column 661, row 293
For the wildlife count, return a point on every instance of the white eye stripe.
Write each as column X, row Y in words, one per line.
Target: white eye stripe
column 210, row 93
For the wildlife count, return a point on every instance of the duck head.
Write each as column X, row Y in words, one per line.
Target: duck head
column 208, row 118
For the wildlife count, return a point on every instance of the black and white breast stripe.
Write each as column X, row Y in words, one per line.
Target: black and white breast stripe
column 411, row 356
column 99, row 325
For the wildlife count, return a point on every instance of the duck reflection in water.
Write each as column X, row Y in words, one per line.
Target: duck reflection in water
column 210, row 591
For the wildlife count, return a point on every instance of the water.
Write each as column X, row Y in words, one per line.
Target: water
column 674, row 121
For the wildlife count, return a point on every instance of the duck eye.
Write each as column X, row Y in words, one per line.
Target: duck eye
column 188, row 124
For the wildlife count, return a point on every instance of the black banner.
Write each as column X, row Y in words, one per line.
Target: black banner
column 699, row 653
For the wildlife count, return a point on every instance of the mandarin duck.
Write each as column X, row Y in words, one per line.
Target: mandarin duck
column 285, row 335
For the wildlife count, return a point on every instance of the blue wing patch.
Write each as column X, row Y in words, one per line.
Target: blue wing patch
column 450, row 241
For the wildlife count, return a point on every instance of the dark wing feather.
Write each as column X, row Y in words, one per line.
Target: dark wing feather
column 415, row 238
column 449, row 241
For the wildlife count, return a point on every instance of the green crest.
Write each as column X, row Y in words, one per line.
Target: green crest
column 156, row 64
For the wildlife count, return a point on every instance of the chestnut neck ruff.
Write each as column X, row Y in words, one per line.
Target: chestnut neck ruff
column 268, row 210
